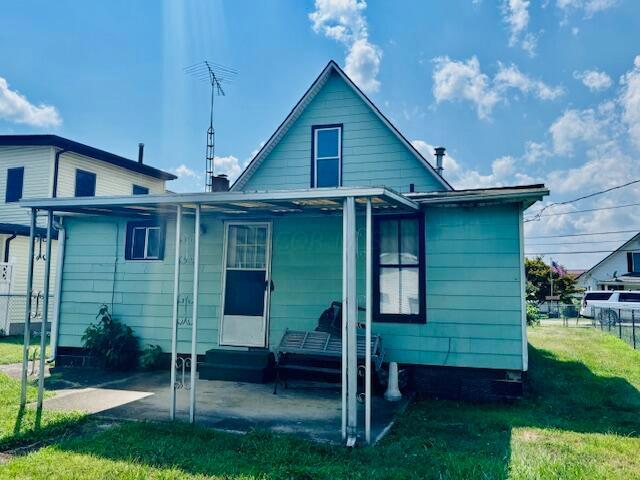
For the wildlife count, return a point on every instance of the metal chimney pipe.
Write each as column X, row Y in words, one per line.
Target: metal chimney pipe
column 140, row 152
column 439, row 156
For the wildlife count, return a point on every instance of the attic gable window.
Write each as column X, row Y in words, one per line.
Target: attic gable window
column 326, row 153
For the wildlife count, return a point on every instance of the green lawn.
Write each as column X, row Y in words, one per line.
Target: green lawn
column 11, row 349
column 580, row 419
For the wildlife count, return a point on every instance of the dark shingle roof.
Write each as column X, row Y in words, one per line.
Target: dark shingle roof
column 95, row 153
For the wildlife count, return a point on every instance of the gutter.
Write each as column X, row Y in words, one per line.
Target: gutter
column 58, row 289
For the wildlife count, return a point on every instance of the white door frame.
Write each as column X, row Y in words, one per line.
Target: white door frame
column 267, row 294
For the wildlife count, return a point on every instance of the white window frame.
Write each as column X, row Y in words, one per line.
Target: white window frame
column 146, row 255
column 315, row 153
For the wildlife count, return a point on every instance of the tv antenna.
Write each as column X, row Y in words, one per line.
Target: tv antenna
column 215, row 75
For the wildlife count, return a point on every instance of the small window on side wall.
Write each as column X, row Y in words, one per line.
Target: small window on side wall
column 326, row 152
column 15, row 181
column 145, row 240
column 139, row 190
column 399, row 270
column 85, row 184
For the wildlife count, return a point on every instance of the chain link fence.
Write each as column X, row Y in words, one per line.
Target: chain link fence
column 12, row 311
column 620, row 320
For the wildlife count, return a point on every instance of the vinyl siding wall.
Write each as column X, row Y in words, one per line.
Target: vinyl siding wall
column 110, row 179
column 37, row 163
column 372, row 154
column 473, row 285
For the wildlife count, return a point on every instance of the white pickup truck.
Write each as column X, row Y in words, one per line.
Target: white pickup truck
column 611, row 306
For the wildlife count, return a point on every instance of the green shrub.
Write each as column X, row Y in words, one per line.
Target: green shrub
column 112, row 342
column 533, row 314
column 151, row 358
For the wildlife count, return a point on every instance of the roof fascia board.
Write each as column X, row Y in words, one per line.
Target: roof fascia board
column 218, row 198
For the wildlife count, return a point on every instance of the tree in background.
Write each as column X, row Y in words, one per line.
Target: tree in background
column 539, row 276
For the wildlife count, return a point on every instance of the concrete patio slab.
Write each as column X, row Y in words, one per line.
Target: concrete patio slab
column 309, row 409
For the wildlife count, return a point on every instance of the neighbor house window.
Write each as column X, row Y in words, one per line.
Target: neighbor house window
column 398, row 281
column 138, row 190
column 326, row 154
column 635, row 262
column 85, row 184
column 15, row 180
column 145, row 240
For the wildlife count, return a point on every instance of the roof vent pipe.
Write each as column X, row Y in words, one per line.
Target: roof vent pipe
column 140, row 152
column 439, row 156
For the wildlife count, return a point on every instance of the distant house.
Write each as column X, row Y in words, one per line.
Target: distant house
column 443, row 279
column 619, row 270
column 49, row 166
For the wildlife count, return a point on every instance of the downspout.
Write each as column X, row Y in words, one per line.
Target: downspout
column 58, row 288
column 56, row 168
column 6, row 247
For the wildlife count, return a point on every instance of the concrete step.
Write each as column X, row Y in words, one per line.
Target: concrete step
column 236, row 373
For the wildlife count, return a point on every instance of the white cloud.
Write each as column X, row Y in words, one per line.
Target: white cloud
column 15, row 107
column 511, row 77
column 229, row 166
column 459, row 80
column 593, row 79
column 588, row 7
column 344, row 21
column 588, row 126
column 630, row 102
column 515, row 14
column 455, row 80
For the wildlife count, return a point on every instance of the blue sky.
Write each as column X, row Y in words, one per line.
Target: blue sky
column 518, row 91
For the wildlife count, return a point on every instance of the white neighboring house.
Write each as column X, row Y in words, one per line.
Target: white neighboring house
column 618, row 271
column 48, row 166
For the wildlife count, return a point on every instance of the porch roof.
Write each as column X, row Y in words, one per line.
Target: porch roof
column 324, row 200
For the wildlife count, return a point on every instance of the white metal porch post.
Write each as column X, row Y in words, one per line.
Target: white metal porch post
column 27, row 311
column 45, row 313
column 368, row 314
column 351, row 310
column 343, row 358
column 194, row 317
column 174, row 325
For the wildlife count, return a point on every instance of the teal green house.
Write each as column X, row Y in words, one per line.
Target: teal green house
column 337, row 206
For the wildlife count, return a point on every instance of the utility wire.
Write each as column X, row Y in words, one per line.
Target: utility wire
column 590, row 195
column 530, row 219
column 585, row 251
column 636, row 230
column 578, row 243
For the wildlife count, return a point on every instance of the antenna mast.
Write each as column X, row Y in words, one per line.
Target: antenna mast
column 215, row 75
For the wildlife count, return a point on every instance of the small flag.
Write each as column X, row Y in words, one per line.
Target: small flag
column 559, row 269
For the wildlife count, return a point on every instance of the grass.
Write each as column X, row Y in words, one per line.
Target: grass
column 11, row 349
column 579, row 419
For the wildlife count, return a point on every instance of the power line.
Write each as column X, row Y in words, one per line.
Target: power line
column 530, row 219
column 636, row 230
column 585, row 251
column 579, row 243
column 590, row 195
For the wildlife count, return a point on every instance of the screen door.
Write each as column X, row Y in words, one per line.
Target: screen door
column 246, row 282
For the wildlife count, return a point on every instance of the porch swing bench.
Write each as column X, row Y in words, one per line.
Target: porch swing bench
column 320, row 350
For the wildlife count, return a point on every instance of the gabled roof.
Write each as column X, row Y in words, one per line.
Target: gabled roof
column 306, row 99
column 620, row 248
column 86, row 150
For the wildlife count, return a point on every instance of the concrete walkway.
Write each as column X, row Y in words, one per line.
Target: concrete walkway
column 312, row 410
